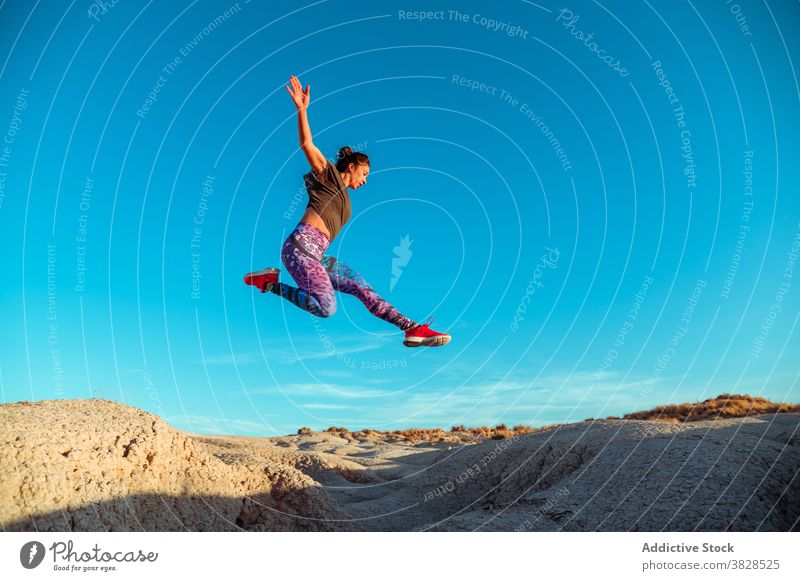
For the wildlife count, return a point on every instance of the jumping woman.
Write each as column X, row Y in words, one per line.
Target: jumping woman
column 303, row 253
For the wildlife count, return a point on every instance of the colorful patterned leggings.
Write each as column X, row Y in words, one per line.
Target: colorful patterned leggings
column 318, row 275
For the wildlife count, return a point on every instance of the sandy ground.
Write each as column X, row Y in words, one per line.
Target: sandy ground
column 101, row 465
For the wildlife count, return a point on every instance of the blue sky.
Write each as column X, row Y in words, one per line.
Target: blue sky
column 599, row 202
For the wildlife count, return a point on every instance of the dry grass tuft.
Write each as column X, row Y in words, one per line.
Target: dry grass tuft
column 726, row 405
column 462, row 434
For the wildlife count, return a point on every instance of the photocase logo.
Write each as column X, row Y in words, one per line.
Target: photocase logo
column 31, row 554
column 402, row 256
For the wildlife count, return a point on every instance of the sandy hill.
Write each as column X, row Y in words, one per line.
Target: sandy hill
column 99, row 465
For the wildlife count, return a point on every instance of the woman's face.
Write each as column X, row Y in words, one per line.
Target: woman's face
column 358, row 174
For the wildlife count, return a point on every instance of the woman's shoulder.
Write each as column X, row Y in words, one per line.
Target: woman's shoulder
column 329, row 174
column 319, row 174
column 329, row 169
column 335, row 176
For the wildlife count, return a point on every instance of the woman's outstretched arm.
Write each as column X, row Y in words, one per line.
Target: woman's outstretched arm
column 301, row 99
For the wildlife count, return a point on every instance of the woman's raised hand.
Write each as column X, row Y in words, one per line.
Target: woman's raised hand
column 299, row 96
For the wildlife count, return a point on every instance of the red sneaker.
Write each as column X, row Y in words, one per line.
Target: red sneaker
column 263, row 279
column 424, row 336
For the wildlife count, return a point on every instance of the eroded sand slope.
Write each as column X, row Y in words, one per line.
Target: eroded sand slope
column 101, row 465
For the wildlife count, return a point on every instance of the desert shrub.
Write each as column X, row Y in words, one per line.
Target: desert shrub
column 726, row 405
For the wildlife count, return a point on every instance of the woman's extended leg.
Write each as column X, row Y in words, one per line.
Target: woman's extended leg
column 301, row 253
column 319, row 275
column 345, row 279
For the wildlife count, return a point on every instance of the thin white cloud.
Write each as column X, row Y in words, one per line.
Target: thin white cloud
column 318, row 351
column 217, row 426
column 319, row 389
column 301, row 350
column 349, row 374
column 234, row 359
column 488, row 403
column 325, row 406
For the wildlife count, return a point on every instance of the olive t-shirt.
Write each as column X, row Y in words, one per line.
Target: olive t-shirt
column 329, row 198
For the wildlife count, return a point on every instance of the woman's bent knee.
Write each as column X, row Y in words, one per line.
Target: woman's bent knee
column 324, row 312
column 325, row 308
